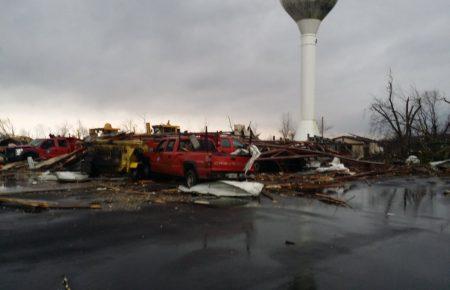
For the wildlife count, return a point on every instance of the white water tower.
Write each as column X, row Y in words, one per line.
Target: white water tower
column 308, row 14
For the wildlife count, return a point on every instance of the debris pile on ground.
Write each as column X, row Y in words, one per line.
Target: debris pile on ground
column 335, row 166
column 58, row 162
column 300, row 169
column 443, row 165
column 226, row 188
column 321, row 184
column 70, row 176
column 412, row 160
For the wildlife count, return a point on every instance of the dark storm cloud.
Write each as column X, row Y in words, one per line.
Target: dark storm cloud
column 206, row 59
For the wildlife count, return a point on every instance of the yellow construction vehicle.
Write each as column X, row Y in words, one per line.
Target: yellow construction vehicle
column 109, row 152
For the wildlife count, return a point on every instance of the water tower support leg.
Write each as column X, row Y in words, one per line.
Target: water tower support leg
column 308, row 124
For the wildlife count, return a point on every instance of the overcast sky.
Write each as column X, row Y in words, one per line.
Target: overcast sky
column 198, row 61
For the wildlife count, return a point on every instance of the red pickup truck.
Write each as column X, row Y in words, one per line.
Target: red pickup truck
column 194, row 159
column 42, row 149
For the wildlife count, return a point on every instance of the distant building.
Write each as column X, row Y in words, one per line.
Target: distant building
column 168, row 128
column 107, row 130
column 360, row 147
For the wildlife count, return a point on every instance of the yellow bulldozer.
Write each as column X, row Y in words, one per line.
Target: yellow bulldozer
column 110, row 153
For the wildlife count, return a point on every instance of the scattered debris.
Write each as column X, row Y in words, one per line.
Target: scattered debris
column 335, row 165
column 412, row 160
column 226, row 188
column 60, row 161
column 221, row 202
column 42, row 205
column 47, row 176
column 55, row 189
column 318, row 186
column 268, row 195
column 296, row 169
column 65, row 283
column 331, row 200
column 255, row 155
column 14, row 165
column 67, row 176
column 440, row 165
column 289, row 243
column 288, row 156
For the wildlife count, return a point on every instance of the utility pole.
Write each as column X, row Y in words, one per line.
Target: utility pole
column 322, row 127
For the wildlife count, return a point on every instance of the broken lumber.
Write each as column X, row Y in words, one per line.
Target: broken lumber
column 41, row 204
column 59, row 160
column 49, row 190
column 331, row 200
column 303, row 186
column 364, row 174
column 14, row 165
column 268, row 195
column 169, row 191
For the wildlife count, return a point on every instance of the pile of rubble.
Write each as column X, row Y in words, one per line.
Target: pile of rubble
column 301, row 169
column 61, row 162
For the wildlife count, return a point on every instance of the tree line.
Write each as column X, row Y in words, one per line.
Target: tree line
column 412, row 123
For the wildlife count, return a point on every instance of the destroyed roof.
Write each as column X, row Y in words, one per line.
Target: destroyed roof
column 356, row 138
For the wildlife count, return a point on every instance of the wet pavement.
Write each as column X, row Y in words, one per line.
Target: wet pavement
column 396, row 236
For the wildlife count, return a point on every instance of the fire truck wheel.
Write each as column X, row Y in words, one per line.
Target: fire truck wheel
column 191, row 177
column 257, row 167
column 141, row 172
column 146, row 170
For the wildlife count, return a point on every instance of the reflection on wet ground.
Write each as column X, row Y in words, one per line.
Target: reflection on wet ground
column 396, row 236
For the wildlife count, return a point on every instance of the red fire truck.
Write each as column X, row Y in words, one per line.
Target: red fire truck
column 195, row 159
column 42, row 149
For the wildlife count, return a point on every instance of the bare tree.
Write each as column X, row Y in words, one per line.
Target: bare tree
column 24, row 133
column 129, row 126
column 287, row 127
column 432, row 125
column 430, row 121
column 40, row 131
column 395, row 114
column 7, row 127
column 80, row 130
column 63, row 129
